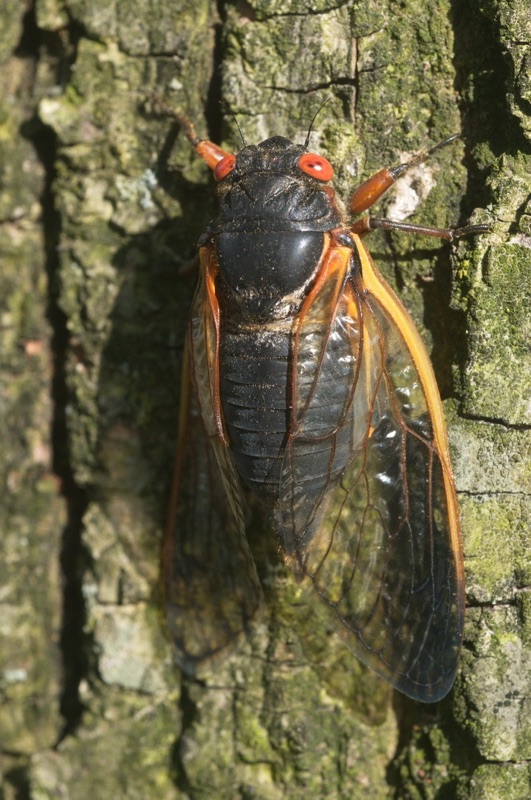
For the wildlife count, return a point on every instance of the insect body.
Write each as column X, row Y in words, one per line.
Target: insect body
column 307, row 383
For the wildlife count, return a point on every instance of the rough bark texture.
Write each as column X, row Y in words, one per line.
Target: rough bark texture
column 94, row 234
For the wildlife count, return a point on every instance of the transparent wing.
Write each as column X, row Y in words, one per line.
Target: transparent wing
column 211, row 587
column 368, row 511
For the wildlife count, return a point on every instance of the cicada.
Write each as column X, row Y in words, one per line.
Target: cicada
column 306, row 384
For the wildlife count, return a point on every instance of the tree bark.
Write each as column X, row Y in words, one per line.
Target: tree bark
column 97, row 234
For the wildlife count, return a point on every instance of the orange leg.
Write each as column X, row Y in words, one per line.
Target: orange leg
column 209, row 152
column 368, row 224
column 372, row 189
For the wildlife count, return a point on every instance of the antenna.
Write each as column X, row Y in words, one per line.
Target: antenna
column 227, row 110
column 306, row 143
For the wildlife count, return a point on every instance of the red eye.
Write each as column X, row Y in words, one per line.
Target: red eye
column 316, row 166
column 223, row 167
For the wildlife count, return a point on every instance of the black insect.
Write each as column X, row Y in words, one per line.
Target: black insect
column 307, row 383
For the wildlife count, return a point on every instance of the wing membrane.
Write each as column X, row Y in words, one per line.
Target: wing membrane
column 211, row 587
column 373, row 528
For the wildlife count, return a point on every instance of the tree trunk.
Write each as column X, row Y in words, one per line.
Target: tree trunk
column 96, row 233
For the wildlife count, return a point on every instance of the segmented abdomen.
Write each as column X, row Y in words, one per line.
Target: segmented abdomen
column 254, row 398
column 257, row 392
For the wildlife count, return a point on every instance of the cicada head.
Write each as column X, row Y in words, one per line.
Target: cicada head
column 276, row 185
